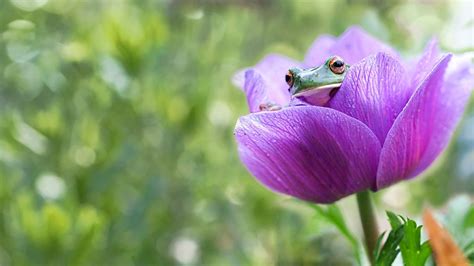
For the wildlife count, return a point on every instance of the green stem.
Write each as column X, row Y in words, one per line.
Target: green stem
column 369, row 222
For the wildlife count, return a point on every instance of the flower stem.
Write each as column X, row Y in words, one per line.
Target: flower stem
column 369, row 222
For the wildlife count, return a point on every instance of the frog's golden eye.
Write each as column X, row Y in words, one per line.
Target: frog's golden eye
column 289, row 78
column 337, row 65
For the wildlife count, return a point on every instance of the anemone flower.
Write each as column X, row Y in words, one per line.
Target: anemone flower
column 388, row 121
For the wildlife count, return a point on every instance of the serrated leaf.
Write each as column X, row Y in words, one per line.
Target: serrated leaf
column 412, row 251
column 425, row 252
column 378, row 245
column 410, row 245
column 393, row 220
column 390, row 249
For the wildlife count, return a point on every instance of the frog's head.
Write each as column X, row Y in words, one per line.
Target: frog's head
column 317, row 85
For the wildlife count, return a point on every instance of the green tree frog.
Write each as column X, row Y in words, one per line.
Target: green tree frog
column 317, row 85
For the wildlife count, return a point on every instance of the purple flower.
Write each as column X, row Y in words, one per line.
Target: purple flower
column 388, row 122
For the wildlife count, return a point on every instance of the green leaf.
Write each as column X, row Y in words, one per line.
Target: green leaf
column 413, row 253
column 378, row 245
column 425, row 252
column 410, row 244
column 404, row 238
column 393, row 219
column 390, row 249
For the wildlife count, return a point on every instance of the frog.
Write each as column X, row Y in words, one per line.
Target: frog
column 316, row 85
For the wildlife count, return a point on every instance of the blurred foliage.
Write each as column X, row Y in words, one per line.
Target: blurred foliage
column 116, row 143
column 458, row 218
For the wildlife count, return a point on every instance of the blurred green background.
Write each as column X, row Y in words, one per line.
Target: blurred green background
column 116, row 143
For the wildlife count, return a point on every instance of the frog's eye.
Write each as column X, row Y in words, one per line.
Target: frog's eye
column 289, row 78
column 337, row 65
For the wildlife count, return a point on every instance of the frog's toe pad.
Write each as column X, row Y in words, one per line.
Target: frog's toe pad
column 269, row 107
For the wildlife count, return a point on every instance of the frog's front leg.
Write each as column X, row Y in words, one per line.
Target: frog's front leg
column 269, row 106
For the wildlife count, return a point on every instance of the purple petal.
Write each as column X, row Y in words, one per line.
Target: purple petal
column 425, row 126
column 265, row 82
column 373, row 92
column 273, row 68
column 312, row 153
column 425, row 64
column 356, row 44
column 319, row 51
column 258, row 92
